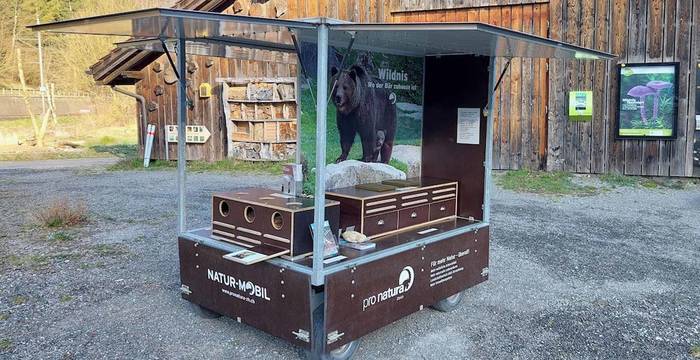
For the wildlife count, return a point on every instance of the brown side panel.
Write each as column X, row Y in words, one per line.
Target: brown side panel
column 350, row 211
column 373, row 295
column 453, row 82
column 262, row 295
column 303, row 242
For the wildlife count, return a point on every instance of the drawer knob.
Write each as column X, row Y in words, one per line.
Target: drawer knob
column 442, row 208
column 380, row 222
column 414, row 215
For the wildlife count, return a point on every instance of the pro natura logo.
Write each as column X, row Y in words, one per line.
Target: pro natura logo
column 247, row 287
column 404, row 285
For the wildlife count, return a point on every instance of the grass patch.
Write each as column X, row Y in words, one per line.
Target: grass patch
column 617, row 180
column 61, row 236
column 110, row 250
column 65, row 298
column 649, row 184
column 236, row 166
column 37, row 262
column 62, row 213
column 551, row 183
column 695, row 351
column 4, row 316
column 5, row 344
column 118, row 150
column 19, row 300
column 87, row 136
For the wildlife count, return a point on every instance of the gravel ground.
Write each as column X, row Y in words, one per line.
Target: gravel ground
column 609, row 276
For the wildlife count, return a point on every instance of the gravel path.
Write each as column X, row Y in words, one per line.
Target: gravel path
column 609, row 276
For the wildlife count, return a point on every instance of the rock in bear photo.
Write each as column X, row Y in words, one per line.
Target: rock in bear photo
column 363, row 110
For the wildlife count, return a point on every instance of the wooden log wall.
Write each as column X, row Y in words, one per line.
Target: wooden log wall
column 531, row 129
column 638, row 31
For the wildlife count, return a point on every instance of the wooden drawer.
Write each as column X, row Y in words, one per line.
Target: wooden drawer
column 443, row 193
column 442, row 209
column 380, row 224
column 413, row 216
column 381, row 205
column 414, row 198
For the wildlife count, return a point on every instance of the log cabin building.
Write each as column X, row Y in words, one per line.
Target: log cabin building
column 532, row 128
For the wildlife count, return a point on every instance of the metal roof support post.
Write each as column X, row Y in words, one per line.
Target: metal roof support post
column 317, row 277
column 181, row 124
column 488, row 161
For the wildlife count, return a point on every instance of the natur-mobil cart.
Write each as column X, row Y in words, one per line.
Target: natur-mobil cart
column 326, row 308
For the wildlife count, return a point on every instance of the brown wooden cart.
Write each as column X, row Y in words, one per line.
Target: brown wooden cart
column 326, row 308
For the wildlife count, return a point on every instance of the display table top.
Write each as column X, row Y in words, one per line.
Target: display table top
column 271, row 198
column 421, row 183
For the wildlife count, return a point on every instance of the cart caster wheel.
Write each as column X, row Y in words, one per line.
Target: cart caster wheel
column 449, row 303
column 344, row 352
column 203, row 313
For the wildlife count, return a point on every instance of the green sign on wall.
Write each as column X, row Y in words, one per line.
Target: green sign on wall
column 580, row 105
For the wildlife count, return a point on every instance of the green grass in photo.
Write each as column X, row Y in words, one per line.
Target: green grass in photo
column 550, row 183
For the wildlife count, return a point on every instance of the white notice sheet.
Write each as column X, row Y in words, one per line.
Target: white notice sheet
column 468, row 125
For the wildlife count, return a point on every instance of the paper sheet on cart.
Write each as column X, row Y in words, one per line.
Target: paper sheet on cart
column 468, row 125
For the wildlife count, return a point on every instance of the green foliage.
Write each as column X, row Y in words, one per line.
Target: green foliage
column 649, row 184
column 65, row 57
column 64, row 298
column 4, row 316
column 111, row 250
column 37, row 262
column 5, row 344
column 61, row 236
column 616, row 180
column 118, row 150
column 695, row 351
column 19, row 300
column 551, row 183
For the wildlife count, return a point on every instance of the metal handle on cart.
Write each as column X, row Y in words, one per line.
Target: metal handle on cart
column 414, row 215
column 380, row 222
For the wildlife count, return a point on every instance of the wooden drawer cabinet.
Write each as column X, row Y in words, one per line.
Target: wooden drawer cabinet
column 375, row 213
column 261, row 217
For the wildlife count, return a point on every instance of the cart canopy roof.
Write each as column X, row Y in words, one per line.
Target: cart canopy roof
column 150, row 28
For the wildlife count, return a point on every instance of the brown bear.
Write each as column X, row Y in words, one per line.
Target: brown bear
column 364, row 110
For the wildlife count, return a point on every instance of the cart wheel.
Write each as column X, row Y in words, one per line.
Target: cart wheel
column 344, row 352
column 203, row 313
column 449, row 303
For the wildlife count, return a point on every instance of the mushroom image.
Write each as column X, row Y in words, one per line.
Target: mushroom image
column 641, row 92
column 657, row 86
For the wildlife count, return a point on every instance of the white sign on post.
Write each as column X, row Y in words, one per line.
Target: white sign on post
column 468, row 125
column 194, row 134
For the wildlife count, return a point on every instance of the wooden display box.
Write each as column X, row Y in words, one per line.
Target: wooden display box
column 378, row 213
column 261, row 217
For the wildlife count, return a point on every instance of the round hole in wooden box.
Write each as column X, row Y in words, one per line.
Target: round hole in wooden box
column 249, row 214
column 277, row 221
column 224, row 208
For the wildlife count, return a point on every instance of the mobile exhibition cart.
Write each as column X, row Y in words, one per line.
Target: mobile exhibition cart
column 431, row 232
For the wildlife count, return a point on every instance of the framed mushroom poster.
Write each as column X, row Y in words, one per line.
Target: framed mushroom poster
column 647, row 101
